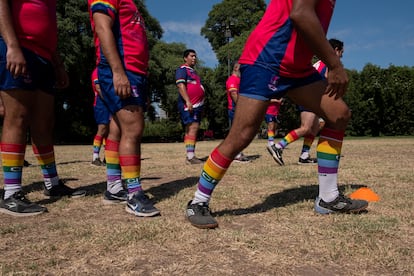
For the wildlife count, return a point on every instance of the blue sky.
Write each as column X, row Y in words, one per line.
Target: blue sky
column 377, row 32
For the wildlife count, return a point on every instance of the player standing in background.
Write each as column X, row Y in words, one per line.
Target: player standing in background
column 122, row 62
column 190, row 102
column 102, row 117
column 232, row 90
column 272, row 121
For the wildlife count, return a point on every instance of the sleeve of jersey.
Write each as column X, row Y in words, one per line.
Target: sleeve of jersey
column 180, row 76
column 108, row 7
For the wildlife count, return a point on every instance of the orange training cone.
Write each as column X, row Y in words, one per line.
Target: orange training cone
column 365, row 194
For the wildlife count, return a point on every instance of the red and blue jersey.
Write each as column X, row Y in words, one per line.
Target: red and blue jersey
column 321, row 67
column 129, row 31
column 273, row 108
column 94, row 79
column 274, row 42
column 36, row 33
column 195, row 90
column 232, row 86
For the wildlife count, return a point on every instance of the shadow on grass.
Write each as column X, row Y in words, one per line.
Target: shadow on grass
column 282, row 199
column 172, row 188
column 160, row 192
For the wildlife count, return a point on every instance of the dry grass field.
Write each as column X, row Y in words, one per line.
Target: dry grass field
column 265, row 212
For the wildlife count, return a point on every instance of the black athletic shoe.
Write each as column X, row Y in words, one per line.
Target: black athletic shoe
column 241, row 159
column 193, row 161
column 199, row 215
column 341, row 204
column 276, row 154
column 119, row 197
column 62, row 190
column 307, row 161
column 26, row 163
column 98, row 162
column 140, row 205
column 19, row 206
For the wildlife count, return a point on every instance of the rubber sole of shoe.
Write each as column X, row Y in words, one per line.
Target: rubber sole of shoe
column 139, row 214
column 306, row 164
column 324, row 211
column 205, row 226
column 113, row 201
column 15, row 214
column 275, row 157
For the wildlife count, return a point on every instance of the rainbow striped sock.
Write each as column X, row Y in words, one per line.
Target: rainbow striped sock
column 190, row 142
column 270, row 137
column 12, row 158
column 289, row 138
column 328, row 153
column 213, row 171
column 113, row 169
column 131, row 169
column 46, row 158
column 307, row 144
column 97, row 143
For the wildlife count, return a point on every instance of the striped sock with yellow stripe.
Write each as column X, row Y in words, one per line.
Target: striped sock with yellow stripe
column 328, row 153
column 46, row 158
column 213, row 171
column 131, row 170
column 12, row 158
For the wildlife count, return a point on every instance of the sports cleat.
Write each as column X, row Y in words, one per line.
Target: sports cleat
column 307, row 161
column 140, row 205
column 119, row 197
column 193, row 160
column 242, row 159
column 19, row 206
column 341, row 204
column 199, row 215
column 98, row 162
column 276, row 154
column 62, row 190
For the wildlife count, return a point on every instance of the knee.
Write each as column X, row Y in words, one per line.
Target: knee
column 341, row 119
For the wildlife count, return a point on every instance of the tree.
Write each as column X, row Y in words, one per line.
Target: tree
column 238, row 16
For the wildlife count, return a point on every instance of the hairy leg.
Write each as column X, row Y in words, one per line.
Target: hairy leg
column 247, row 119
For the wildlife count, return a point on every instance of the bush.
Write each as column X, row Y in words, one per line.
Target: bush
column 162, row 131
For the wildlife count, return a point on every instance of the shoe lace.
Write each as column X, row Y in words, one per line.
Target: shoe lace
column 21, row 196
column 344, row 199
column 143, row 198
column 203, row 208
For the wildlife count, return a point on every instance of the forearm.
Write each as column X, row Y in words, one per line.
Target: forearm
column 308, row 26
column 233, row 96
column 6, row 25
column 183, row 92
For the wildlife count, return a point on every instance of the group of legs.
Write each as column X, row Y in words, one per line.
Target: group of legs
column 248, row 117
column 309, row 128
column 25, row 110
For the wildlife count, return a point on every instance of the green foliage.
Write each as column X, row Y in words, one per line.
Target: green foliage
column 162, row 131
column 381, row 101
column 237, row 16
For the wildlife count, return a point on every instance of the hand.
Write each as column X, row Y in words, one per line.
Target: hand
column 16, row 63
column 121, row 85
column 337, row 82
column 189, row 106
